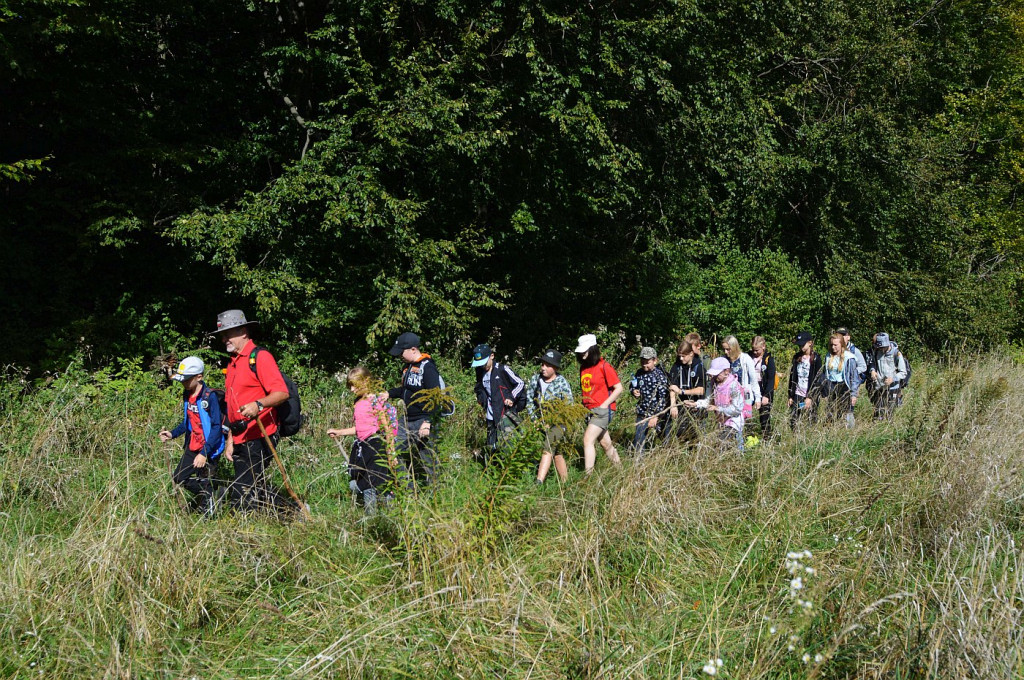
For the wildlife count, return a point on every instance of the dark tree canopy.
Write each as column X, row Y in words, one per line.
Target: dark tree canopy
column 345, row 170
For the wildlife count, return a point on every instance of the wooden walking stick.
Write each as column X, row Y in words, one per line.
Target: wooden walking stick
column 284, row 475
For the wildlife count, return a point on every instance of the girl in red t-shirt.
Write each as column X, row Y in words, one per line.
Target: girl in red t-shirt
column 601, row 387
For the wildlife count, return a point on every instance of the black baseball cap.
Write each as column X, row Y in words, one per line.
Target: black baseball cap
column 404, row 342
column 802, row 338
column 843, row 330
column 481, row 354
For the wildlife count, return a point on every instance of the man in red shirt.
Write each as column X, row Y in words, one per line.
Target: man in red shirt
column 252, row 390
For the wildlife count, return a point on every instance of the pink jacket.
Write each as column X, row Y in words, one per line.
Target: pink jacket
column 729, row 400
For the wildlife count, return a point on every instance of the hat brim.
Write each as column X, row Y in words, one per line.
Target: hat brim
column 479, row 362
column 237, row 325
column 553, row 364
column 713, row 372
column 396, row 351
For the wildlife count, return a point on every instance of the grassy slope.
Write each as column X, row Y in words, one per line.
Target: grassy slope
column 646, row 572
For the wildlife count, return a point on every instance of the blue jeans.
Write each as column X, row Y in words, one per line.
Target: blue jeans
column 645, row 435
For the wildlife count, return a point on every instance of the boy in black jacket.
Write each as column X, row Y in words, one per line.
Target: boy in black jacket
column 415, row 432
column 687, row 381
column 500, row 392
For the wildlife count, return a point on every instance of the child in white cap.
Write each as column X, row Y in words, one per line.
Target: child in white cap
column 601, row 387
column 726, row 402
column 204, row 435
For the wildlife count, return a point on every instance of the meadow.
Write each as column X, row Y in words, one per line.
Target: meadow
column 886, row 551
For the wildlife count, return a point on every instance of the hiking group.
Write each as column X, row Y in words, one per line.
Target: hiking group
column 244, row 422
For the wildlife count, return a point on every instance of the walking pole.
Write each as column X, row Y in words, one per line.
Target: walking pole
column 284, row 475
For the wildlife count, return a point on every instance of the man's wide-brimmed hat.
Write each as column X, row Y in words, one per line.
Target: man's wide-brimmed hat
column 233, row 318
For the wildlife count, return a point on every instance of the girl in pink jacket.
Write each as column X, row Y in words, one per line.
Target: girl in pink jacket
column 726, row 401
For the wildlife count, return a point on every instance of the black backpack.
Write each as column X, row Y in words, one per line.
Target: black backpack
column 289, row 413
column 222, row 402
column 905, row 381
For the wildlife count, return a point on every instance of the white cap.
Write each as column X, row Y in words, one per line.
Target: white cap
column 585, row 342
column 189, row 367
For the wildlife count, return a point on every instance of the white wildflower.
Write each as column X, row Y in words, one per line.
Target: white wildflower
column 806, row 658
column 818, row 658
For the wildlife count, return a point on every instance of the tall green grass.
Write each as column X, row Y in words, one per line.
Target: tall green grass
column 647, row 571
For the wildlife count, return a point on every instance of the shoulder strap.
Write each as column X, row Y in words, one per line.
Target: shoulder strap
column 252, row 366
column 605, row 366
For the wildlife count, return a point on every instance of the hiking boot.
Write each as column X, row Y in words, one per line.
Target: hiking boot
column 370, row 502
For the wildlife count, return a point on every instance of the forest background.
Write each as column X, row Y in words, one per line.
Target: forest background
column 348, row 170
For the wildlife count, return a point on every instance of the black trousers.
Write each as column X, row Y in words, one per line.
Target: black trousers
column 251, row 488
column 197, row 481
column 765, row 416
column 367, row 463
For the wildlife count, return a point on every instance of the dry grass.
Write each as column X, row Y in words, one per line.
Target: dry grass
column 645, row 572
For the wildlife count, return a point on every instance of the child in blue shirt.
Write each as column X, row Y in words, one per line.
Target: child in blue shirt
column 204, row 440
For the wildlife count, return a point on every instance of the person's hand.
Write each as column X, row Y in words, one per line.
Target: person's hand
column 509, row 402
column 653, row 422
column 712, row 408
column 690, row 404
column 165, row 435
column 229, row 450
column 764, row 401
column 250, row 410
column 789, row 403
column 333, row 433
column 874, row 374
column 808, row 403
column 424, row 430
column 383, row 396
column 887, row 382
column 199, row 462
column 675, row 388
column 636, row 393
column 853, row 401
column 674, row 411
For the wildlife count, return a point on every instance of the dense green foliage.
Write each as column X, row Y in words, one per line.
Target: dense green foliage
column 649, row 571
column 345, row 170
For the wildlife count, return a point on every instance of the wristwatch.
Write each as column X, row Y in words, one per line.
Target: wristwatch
column 259, row 405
